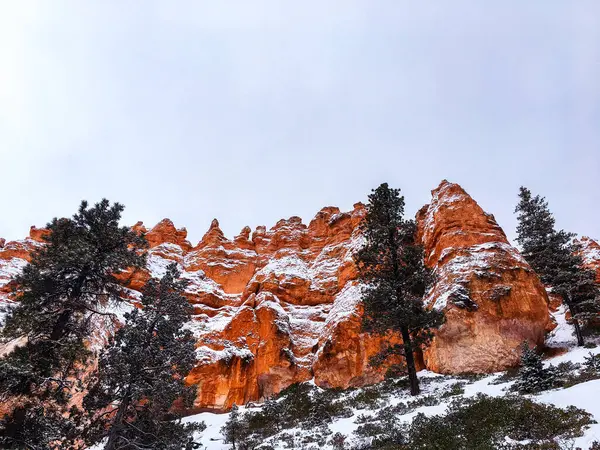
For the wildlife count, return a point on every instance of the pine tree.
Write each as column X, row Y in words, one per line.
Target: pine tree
column 533, row 376
column 141, row 374
column 231, row 431
column 395, row 278
column 591, row 363
column 35, row 426
column 69, row 282
column 555, row 257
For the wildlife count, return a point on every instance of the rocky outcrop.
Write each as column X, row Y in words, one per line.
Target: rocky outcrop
column 492, row 299
column 590, row 252
column 282, row 305
column 14, row 255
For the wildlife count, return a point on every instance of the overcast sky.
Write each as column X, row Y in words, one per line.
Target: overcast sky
column 251, row 111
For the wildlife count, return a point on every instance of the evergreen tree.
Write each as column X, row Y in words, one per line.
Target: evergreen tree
column 231, row 431
column 533, row 376
column 555, row 257
column 141, row 374
column 395, row 278
column 591, row 363
column 69, row 282
column 271, row 416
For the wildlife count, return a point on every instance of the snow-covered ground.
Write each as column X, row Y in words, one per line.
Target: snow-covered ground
column 584, row 395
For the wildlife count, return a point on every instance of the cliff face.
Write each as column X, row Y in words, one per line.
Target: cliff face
column 278, row 306
column 590, row 251
column 14, row 255
column 492, row 298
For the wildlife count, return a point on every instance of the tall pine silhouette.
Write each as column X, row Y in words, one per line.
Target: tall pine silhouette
column 395, row 278
column 69, row 282
column 555, row 257
column 141, row 374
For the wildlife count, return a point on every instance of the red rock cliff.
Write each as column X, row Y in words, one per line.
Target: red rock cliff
column 278, row 306
column 492, row 298
column 590, row 251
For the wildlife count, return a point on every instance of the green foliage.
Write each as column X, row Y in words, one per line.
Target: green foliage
column 369, row 397
column 482, row 423
column 232, row 430
column 556, row 259
column 394, row 277
column 36, row 426
column 568, row 374
column 67, row 286
column 391, row 267
column 592, row 363
column 299, row 405
column 141, row 373
column 507, row 376
column 533, row 376
column 455, row 389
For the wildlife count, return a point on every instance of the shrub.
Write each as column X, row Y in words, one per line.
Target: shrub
column 592, row 363
column 338, row 441
column 483, row 422
column 368, row 398
column 455, row 389
column 533, row 376
column 509, row 375
column 569, row 374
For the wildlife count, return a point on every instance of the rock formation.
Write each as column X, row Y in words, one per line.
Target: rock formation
column 590, row 251
column 278, row 306
column 492, row 299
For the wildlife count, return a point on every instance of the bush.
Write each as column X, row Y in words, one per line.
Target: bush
column 569, row 374
column 533, row 376
column 592, row 363
column 455, row 389
column 300, row 405
column 483, row 422
column 368, row 398
column 338, row 441
column 509, row 375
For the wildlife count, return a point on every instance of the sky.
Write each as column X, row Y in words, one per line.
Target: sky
column 250, row 111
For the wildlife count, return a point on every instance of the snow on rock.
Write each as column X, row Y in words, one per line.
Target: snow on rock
column 590, row 251
column 492, row 299
column 14, row 256
column 288, row 297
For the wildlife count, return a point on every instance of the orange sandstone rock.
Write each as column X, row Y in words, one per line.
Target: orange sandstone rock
column 38, row 234
column 590, row 251
column 492, row 299
column 282, row 305
column 165, row 232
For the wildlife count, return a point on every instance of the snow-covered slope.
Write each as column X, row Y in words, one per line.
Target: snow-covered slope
column 436, row 390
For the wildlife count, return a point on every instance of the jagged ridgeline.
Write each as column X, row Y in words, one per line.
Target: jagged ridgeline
column 279, row 306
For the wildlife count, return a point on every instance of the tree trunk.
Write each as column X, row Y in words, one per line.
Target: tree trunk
column 576, row 324
column 116, row 424
column 59, row 328
column 410, row 362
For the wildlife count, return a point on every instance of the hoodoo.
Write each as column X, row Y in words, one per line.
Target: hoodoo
column 492, row 298
column 278, row 306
